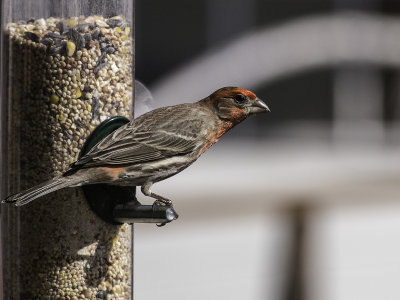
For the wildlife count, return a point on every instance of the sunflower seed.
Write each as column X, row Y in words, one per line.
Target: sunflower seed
column 54, row 35
column 47, row 41
column 82, row 27
column 98, row 67
column 88, row 38
column 114, row 22
column 61, row 26
column 32, row 36
column 110, row 50
column 95, row 34
column 77, row 38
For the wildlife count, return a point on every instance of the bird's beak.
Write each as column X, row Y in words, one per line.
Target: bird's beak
column 259, row 106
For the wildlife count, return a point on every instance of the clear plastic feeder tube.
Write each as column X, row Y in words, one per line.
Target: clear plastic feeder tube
column 66, row 66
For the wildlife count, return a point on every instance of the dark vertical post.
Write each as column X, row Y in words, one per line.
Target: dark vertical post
column 294, row 289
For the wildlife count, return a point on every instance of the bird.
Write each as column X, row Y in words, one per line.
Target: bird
column 154, row 146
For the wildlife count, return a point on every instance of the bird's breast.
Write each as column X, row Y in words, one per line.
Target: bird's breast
column 214, row 135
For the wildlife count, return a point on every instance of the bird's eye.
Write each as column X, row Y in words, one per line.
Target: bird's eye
column 240, row 99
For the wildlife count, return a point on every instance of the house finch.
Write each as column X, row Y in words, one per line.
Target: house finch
column 155, row 146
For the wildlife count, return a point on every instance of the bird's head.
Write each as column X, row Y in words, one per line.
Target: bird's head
column 236, row 104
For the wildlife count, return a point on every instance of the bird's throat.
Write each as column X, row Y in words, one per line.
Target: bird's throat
column 214, row 136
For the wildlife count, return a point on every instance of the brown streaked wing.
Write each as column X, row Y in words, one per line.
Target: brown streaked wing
column 128, row 145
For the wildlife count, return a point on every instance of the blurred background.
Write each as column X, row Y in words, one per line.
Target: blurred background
column 301, row 203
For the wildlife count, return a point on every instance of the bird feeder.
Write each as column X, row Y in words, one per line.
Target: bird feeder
column 66, row 67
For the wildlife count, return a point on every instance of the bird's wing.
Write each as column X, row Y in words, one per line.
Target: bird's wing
column 140, row 147
column 139, row 142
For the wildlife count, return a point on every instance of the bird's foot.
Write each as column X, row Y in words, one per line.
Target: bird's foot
column 163, row 201
column 166, row 202
column 159, row 199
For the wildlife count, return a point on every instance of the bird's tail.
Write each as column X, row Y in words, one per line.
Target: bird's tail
column 40, row 190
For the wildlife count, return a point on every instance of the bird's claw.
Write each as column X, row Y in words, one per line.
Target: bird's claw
column 168, row 202
column 165, row 202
